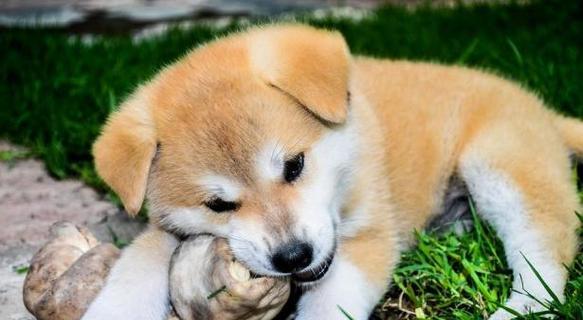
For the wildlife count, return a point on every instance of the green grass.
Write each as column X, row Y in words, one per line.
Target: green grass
column 11, row 156
column 20, row 269
column 465, row 277
column 56, row 91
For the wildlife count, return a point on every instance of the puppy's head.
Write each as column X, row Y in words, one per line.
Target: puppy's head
column 247, row 138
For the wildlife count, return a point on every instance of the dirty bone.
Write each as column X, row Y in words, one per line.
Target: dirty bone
column 68, row 272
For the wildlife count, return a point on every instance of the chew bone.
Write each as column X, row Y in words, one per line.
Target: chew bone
column 239, row 272
column 67, row 273
column 207, row 283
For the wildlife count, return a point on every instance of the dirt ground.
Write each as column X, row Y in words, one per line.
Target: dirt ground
column 31, row 201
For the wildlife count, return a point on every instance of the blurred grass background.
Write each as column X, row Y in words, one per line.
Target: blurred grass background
column 56, row 90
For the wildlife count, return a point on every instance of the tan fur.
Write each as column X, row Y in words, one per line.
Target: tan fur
column 433, row 113
column 212, row 110
column 125, row 151
column 571, row 131
column 318, row 79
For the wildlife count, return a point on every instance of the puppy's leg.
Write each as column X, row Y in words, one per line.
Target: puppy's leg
column 137, row 287
column 356, row 281
column 523, row 189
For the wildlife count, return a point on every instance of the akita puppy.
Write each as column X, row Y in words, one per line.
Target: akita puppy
column 318, row 165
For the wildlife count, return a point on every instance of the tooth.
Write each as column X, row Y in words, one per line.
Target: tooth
column 239, row 272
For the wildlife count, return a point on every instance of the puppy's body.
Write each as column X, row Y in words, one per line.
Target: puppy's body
column 230, row 117
column 510, row 151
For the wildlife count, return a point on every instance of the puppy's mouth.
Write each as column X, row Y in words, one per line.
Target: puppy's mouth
column 313, row 274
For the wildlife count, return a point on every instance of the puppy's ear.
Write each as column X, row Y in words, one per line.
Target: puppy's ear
column 124, row 151
column 310, row 65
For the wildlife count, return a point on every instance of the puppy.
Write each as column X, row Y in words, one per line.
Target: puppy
column 318, row 166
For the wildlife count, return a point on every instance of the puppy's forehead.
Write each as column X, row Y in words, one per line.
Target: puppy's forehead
column 220, row 144
column 230, row 131
column 214, row 115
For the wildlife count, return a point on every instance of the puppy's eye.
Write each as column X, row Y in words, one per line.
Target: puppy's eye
column 293, row 168
column 220, row 205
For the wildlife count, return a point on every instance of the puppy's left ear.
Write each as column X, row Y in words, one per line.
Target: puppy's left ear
column 309, row 64
column 124, row 151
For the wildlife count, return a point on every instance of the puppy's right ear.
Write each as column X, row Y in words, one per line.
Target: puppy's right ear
column 308, row 64
column 125, row 149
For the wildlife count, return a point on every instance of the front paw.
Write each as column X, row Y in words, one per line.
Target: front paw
column 207, row 283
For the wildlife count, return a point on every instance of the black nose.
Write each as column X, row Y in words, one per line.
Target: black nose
column 292, row 257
